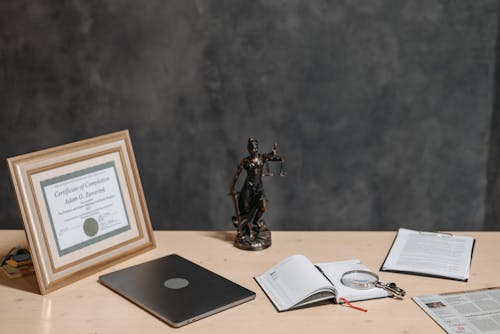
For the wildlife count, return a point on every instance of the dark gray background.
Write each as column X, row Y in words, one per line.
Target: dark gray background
column 386, row 110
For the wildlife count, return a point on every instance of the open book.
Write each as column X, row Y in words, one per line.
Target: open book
column 296, row 282
column 430, row 254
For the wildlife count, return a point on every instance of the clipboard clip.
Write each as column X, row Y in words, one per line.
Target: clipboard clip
column 438, row 234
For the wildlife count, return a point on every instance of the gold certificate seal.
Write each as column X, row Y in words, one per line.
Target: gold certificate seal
column 90, row 227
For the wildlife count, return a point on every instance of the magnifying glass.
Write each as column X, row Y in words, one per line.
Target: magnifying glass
column 364, row 280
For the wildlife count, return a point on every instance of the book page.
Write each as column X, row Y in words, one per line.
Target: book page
column 430, row 253
column 292, row 281
column 334, row 271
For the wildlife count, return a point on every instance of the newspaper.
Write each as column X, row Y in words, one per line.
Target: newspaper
column 476, row 311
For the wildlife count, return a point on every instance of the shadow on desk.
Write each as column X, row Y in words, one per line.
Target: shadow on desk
column 26, row 283
column 227, row 236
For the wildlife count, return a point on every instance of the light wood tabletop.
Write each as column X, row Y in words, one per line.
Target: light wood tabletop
column 88, row 307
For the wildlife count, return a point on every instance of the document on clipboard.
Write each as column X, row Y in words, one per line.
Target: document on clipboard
column 430, row 254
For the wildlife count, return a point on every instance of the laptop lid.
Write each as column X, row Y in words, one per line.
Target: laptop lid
column 176, row 290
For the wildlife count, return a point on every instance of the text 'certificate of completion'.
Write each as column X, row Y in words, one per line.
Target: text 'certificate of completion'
column 85, row 206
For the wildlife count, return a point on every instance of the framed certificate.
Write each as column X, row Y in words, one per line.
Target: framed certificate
column 82, row 207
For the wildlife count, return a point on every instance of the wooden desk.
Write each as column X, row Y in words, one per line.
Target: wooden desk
column 88, row 307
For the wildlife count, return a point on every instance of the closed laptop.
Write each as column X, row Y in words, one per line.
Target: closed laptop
column 176, row 290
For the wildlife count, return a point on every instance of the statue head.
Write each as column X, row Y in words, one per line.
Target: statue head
column 253, row 145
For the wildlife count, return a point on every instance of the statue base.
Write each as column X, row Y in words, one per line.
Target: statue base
column 259, row 241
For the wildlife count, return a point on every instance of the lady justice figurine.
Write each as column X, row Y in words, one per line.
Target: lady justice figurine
column 251, row 202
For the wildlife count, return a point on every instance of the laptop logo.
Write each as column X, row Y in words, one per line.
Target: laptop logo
column 176, row 283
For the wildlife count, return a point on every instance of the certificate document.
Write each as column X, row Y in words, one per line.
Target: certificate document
column 85, row 207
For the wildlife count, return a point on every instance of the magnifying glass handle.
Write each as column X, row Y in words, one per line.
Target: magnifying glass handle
column 392, row 288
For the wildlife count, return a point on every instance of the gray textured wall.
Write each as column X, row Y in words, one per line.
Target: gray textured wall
column 383, row 108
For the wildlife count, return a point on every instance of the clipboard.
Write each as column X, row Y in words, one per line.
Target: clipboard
column 405, row 257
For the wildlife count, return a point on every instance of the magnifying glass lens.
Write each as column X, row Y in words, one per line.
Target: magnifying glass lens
column 359, row 279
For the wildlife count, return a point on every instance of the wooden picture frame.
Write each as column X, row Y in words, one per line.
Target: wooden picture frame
column 82, row 206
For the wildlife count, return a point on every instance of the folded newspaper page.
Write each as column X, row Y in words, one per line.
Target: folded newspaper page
column 476, row 311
